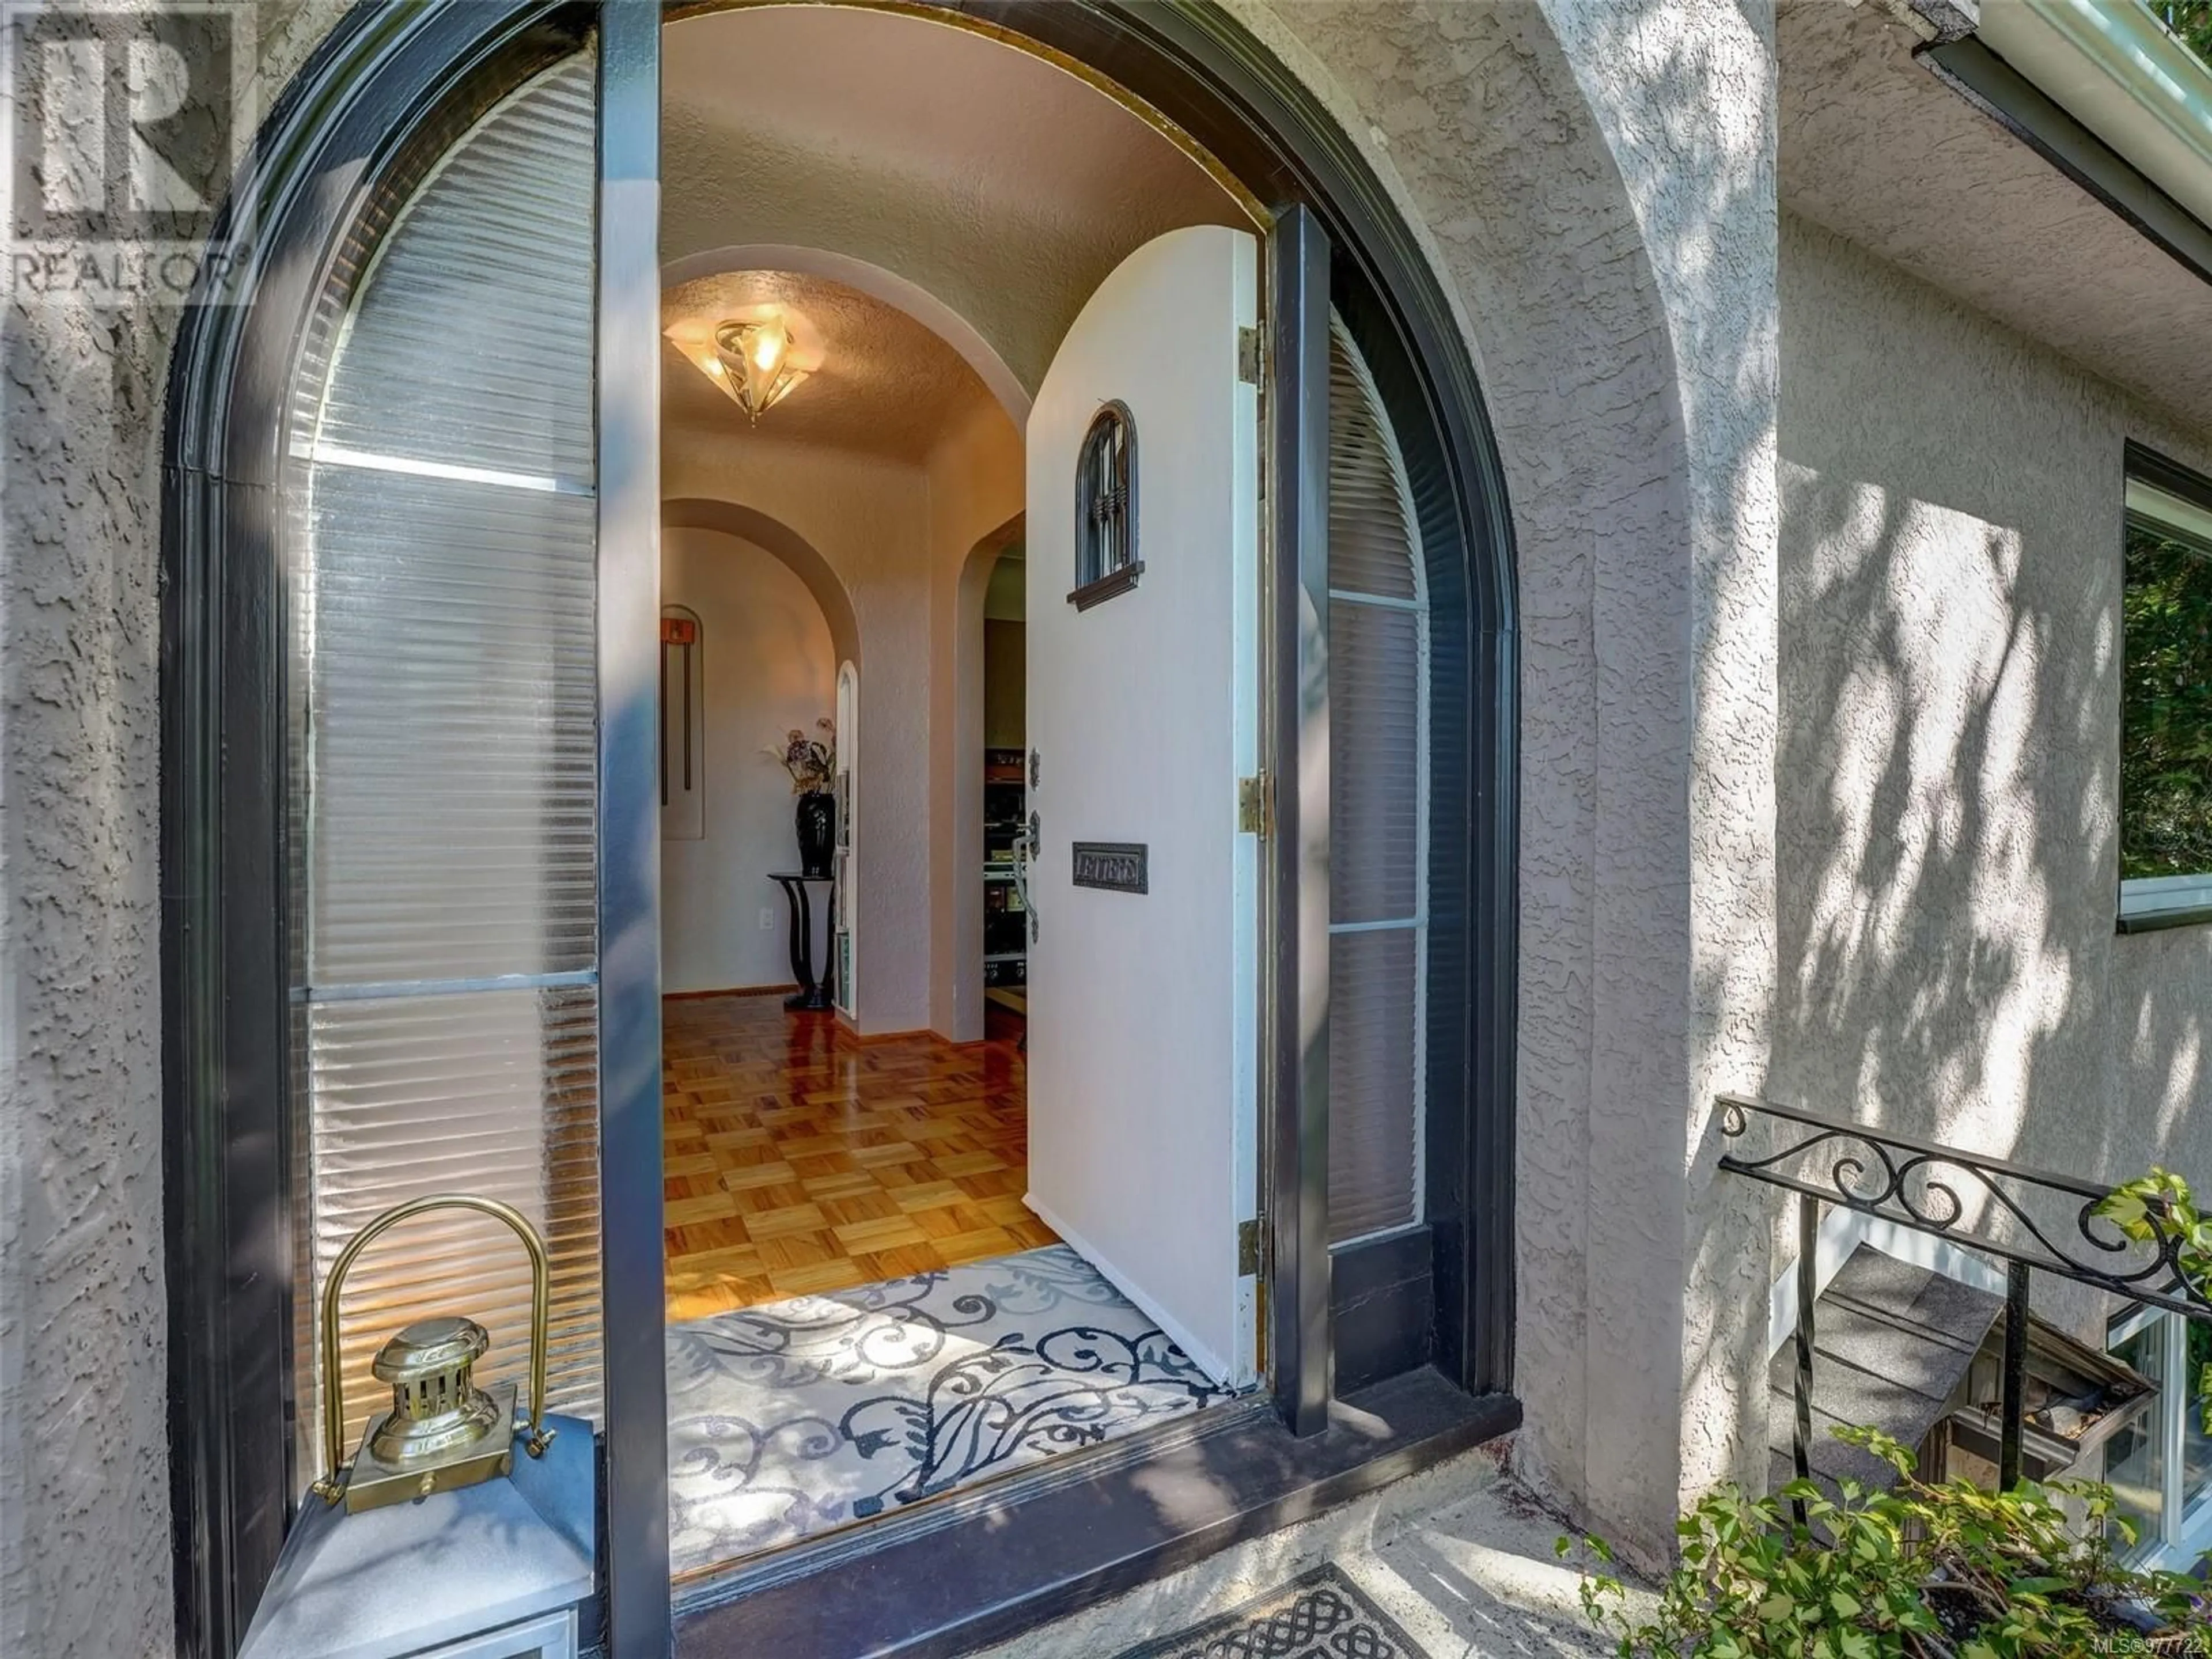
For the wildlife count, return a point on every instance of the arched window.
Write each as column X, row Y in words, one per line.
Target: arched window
column 1106, row 562
column 443, row 680
column 1378, row 691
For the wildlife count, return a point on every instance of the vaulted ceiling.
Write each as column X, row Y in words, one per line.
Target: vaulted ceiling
column 886, row 385
column 1001, row 184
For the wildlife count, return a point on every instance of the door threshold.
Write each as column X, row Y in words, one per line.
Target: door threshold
column 979, row 1567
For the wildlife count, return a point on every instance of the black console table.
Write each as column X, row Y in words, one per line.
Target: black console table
column 816, row 996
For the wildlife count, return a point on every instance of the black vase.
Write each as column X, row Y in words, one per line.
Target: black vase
column 817, row 830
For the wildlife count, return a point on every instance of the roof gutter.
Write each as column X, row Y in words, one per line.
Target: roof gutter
column 2114, row 67
column 2104, row 94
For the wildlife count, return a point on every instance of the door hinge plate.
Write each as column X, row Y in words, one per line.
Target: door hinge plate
column 1255, row 805
column 1248, row 355
column 1248, row 1248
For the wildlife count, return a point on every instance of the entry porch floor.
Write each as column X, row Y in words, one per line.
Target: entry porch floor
column 1453, row 1562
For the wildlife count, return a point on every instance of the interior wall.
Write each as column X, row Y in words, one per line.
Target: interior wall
column 769, row 665
column 1005, row 683
column 1948, row 798
column 867, row 519
column 887, row 531
column 977, row 492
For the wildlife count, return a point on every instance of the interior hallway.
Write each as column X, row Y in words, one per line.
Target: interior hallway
column 800, row 1159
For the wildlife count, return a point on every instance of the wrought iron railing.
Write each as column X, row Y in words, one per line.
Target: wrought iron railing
column 2031, row 1219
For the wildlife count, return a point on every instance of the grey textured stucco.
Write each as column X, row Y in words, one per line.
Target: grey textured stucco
column 1878, row 149
column 1951, row 502
column 1687, row 96
column 1595, row 183
column 84, row 1488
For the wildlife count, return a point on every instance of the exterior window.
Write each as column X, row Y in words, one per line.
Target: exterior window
column 1378, row 728
column 2165, row 709
column 1106, row 562
column 2160, row 1465
column 443, row 682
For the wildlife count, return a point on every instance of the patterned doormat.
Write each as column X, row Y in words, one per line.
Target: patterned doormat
column 1319, row 1615
column 793, row 1418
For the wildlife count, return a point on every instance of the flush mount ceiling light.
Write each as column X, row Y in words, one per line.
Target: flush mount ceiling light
column 757, row 352
column 752, row 361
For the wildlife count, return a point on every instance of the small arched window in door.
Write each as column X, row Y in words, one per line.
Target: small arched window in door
column 1106, row 562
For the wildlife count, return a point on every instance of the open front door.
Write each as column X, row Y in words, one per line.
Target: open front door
column 1144, row 680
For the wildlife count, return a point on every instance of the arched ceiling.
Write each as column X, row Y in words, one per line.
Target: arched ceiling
column 1004, row 185
column 886, row 385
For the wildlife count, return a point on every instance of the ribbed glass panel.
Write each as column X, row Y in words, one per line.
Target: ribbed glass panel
column 1370, row 524
column 1378, row 810
column 1374, row 1111
column 1374, row 762
column 444, row 765
column 494, row 1093
column 453, row 670
column 472, row 304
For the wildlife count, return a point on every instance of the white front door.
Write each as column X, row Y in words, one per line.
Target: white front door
column 1143, row 716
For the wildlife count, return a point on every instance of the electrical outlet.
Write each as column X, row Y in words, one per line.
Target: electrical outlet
column 768, row 919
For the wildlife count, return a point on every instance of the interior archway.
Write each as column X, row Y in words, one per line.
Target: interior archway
column 958, row 966
column 750, row 524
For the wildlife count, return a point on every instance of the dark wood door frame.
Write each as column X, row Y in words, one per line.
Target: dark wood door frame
column 391, row 85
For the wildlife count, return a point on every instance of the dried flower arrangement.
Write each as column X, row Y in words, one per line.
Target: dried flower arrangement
column 811, row 762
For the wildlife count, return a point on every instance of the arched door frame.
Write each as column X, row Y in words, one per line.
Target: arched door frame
column 390, row 82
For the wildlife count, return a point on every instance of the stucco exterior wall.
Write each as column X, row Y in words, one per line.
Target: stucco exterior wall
column 1948, row 795
column 1685, row 94
column 84, row 1489
column 1594, row 182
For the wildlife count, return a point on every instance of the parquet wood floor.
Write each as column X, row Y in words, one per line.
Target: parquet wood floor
column 800, row 1159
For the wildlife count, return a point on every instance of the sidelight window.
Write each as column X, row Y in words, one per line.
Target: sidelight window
column 1378, row 692
column 442, row 684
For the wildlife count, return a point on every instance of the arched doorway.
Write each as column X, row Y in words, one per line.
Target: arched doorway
column 402, row 93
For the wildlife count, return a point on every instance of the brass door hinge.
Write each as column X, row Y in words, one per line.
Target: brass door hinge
column 1248, row 1248
column 1248, row 355
column 1255, row 805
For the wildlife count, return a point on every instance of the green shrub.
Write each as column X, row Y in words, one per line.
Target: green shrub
column 1918, row 1572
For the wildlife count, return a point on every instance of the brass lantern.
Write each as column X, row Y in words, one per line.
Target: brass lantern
column 442, row 1432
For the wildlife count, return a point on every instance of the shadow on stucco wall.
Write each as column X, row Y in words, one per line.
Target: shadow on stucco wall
column 1950, row 699
column 1685, row 94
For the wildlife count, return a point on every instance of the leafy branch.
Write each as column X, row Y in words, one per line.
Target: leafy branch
column 1916, row 1571
column 2158, row 1209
